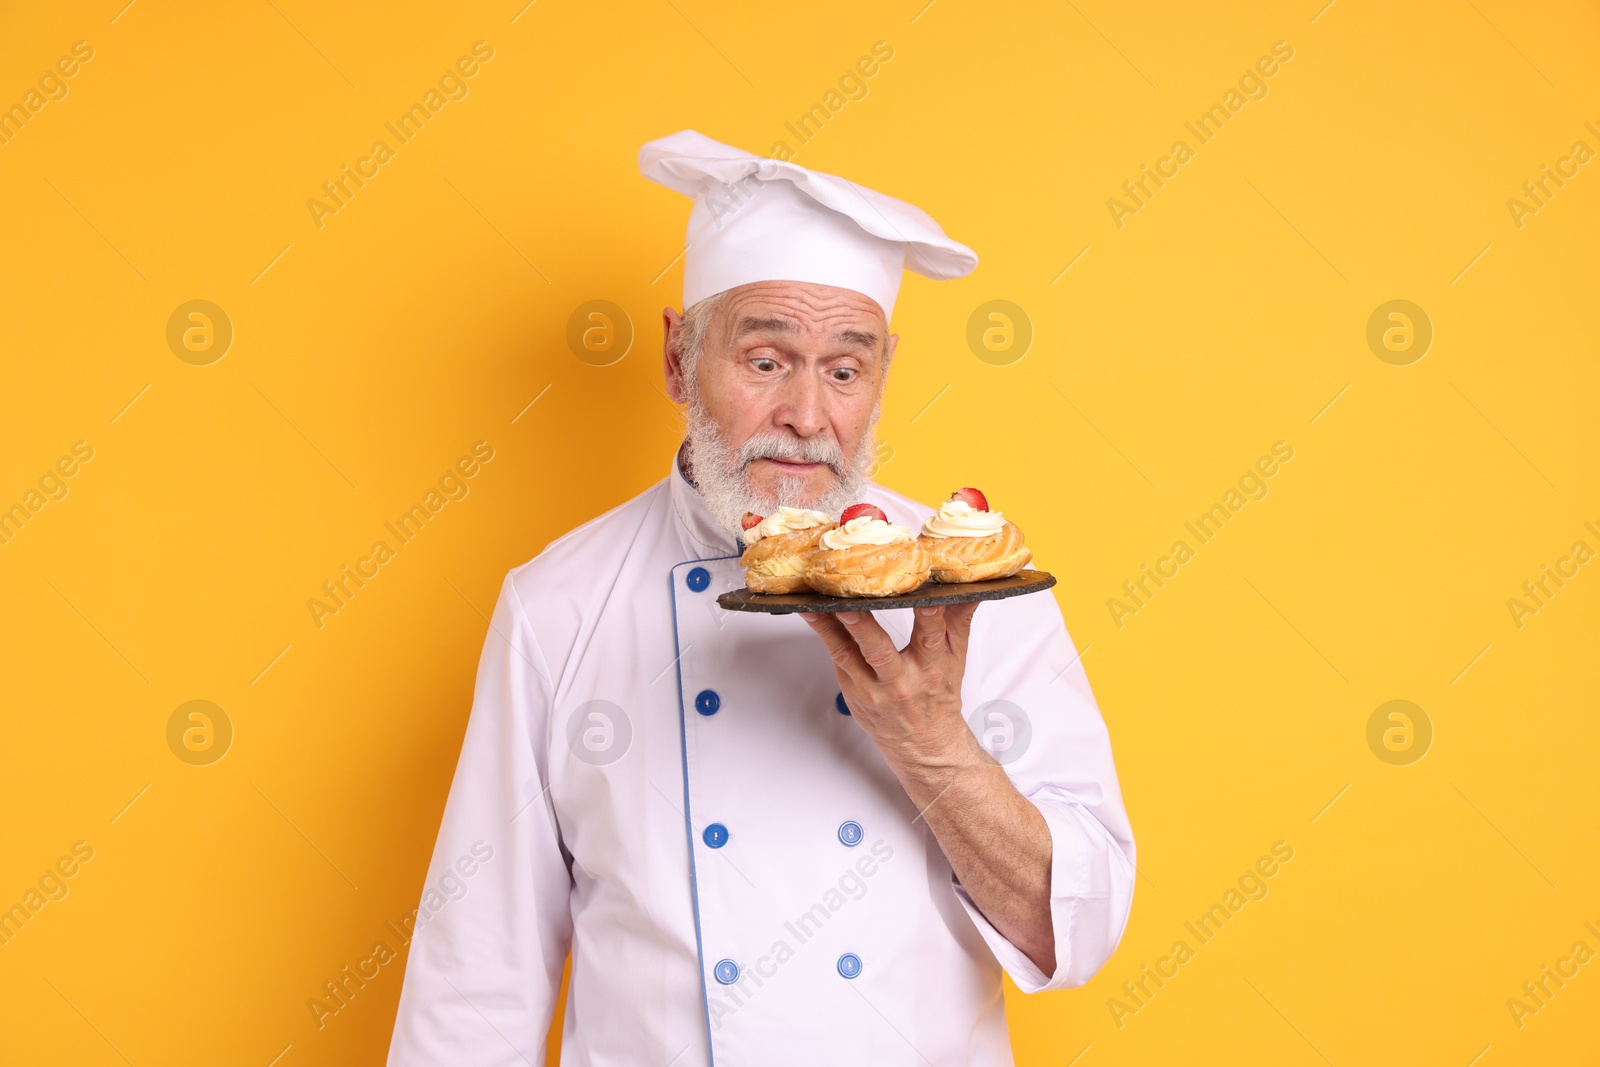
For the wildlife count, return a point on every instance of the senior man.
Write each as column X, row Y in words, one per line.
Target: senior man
column 764, row 839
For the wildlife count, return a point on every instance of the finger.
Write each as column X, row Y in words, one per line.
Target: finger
column 840, row 645
column 928, row 633
column 877, row 647
column 933, row 645
column 958, row 624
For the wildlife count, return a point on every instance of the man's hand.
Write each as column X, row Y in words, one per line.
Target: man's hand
column 909, row 702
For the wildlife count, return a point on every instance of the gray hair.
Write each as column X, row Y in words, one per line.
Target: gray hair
column 693, row 331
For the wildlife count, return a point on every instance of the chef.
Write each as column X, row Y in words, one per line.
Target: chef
column 764, row 839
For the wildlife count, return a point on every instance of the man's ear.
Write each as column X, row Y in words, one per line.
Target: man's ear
column 889, row 350
column 671, row 326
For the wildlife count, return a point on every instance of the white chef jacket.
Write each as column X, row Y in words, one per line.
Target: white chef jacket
column 678, row 795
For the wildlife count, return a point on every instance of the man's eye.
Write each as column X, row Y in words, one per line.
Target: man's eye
column 843, row 374
column 765, row 364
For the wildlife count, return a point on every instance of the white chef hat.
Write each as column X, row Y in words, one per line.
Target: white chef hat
column 757, row 219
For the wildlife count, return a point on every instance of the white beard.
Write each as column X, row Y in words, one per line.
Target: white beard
column 719, row 470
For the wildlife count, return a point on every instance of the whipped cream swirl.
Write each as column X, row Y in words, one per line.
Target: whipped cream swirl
column 785, row 520
column 957, row 518
column 865, row 530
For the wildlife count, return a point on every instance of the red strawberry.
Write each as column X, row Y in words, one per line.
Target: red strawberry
column 750, row 520
column 857, row 511
column 973, row 497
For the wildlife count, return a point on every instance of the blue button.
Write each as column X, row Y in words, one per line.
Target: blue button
column 707, row 702
column 838, row 702
column 699, row 578
column 727, row 972
column 849, row 965
column 715, row 835
column 850, row 833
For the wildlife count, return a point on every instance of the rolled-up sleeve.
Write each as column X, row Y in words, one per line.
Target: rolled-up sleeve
column 494, row 924
column 1026, row 683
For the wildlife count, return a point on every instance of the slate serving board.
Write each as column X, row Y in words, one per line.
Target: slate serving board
column 929, row 595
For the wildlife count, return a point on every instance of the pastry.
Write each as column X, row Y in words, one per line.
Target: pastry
column 867, row 555
column 778, row 548
column 970, row 543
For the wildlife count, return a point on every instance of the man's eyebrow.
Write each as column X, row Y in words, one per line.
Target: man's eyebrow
column 766, row 324
column 862, row 338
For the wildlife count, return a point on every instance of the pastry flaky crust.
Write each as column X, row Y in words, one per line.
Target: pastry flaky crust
column 869, row 570
column 768, row 561
column 978, row 559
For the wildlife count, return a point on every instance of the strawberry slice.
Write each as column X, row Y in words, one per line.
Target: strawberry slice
column 973, row 497
column 857, row 511
column 751, row 519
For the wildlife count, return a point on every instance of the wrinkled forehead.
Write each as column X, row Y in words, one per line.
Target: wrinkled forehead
column 802, row 313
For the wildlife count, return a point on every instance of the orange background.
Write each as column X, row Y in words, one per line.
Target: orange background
column 1229, row 313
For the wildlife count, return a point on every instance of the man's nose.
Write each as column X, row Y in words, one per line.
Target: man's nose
column 804, row 406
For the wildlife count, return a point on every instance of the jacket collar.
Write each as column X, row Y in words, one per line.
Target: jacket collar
column 702, row 538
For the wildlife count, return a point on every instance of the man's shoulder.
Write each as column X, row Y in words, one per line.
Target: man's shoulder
column 574, row 560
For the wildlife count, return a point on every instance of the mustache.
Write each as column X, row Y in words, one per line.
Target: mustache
column 719, row 469
column 777, row 445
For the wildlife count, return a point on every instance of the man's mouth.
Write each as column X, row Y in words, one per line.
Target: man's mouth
column 795, row 466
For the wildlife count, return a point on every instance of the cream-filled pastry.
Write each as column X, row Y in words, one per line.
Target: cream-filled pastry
column 970, row 543
column 778, row 548
column 867, row 555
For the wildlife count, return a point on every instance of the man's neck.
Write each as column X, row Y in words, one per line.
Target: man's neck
column 683, row 465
